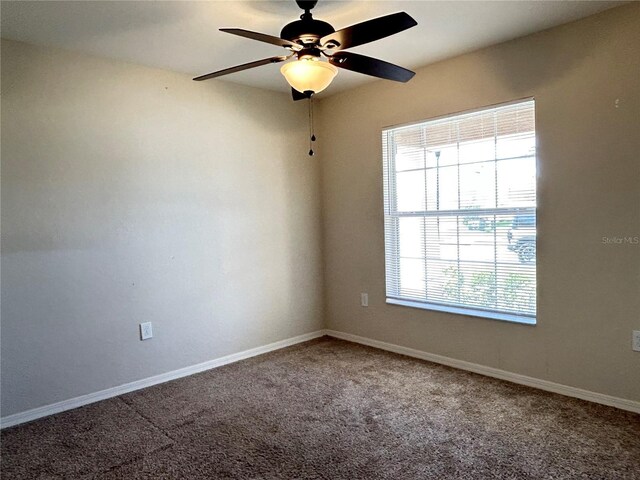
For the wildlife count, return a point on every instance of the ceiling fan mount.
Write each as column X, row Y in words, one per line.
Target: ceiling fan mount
column 307, row 31
column 307, row 5
column 309, row 39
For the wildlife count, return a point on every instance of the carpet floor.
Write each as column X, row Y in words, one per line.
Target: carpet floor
column 329, row 409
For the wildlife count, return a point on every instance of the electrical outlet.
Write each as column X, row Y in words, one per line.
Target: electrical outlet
column 364, row 299
column 146, row 332
column 636, row 341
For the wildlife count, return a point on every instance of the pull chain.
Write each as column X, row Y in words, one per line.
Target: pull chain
column 312, row 136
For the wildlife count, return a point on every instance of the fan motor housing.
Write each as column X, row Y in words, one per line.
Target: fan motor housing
column 306, row 31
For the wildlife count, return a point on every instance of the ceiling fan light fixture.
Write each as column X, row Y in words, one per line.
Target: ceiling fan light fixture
column 309, row 74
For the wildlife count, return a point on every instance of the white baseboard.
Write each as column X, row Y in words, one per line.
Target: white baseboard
column 624, row 404
column 29, row 415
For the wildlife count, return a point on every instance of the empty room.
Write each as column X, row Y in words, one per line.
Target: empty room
column 320, row 239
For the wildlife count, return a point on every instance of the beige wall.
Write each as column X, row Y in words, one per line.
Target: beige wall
column 131, row 194
column 585, row 77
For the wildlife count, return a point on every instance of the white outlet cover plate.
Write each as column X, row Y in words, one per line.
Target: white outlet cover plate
column 364, row 299
column 146, row 331
column 635, row 344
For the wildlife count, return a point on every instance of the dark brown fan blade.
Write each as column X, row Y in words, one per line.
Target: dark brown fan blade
column 239, row 68
column 368, row 31
column 297, row 95
column 370, row 66
column 261, row 37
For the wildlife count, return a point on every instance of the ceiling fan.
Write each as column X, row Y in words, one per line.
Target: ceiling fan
column 310, row 39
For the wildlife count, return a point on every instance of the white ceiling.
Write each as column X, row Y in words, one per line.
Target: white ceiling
column 183, row 35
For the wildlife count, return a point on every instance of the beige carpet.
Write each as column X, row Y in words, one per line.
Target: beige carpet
column 329, row 409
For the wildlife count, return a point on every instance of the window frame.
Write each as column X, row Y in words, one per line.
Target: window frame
column 389, row 189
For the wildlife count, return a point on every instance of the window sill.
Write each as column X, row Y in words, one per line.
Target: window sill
column 505, row 317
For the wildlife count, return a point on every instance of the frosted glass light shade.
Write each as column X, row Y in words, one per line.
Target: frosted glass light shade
column 309, row 75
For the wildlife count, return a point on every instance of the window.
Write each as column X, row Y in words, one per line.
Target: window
column 460, row 213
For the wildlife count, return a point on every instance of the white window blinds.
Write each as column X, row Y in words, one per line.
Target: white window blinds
column 460, row 213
